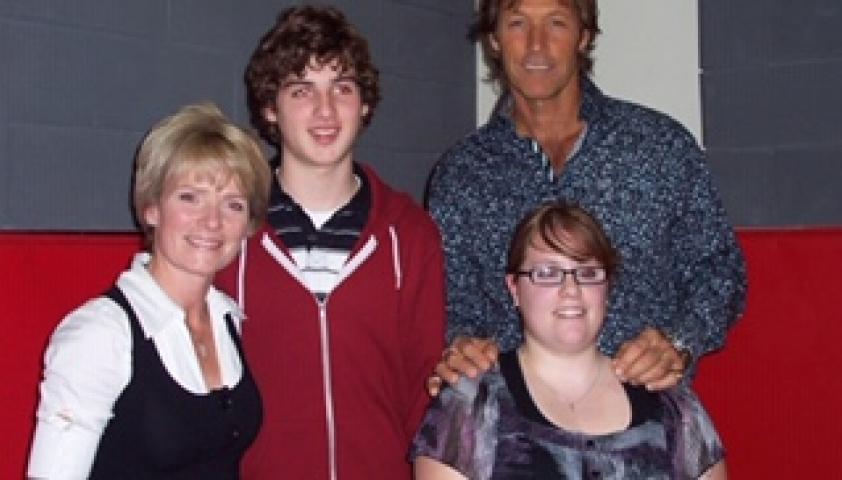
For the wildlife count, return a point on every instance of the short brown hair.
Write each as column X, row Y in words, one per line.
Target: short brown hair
column 300, row 35
column 567, row 229
column 199, row 137
column 485, row 24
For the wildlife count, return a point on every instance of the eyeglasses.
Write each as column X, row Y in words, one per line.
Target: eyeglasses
column 553, row 275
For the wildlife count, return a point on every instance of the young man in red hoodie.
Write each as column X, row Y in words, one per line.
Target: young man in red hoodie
column 343, row 287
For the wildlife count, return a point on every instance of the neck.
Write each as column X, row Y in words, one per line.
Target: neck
column 552, row 117
column 187, row 291
column 561, row 369
column 318, row 188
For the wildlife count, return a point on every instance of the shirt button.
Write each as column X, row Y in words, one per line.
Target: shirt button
column 235, row 433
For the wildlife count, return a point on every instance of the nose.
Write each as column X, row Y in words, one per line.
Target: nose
column 568, row 286
column 325, row 105
column 213, row 217
column 536, row 38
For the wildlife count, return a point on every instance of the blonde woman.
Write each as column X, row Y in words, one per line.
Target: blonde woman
column 149, row 380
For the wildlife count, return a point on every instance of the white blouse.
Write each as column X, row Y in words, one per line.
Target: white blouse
column 88, row 364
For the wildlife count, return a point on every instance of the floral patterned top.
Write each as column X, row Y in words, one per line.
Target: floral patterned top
column 490, row 428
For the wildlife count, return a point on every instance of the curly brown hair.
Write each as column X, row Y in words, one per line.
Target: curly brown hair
column 300, row 35
column 485, row 24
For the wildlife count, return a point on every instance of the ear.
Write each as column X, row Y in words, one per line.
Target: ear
column 511, row 284
column 583, row 42
column 493, row 43
column 270, row 114
column 152, row 215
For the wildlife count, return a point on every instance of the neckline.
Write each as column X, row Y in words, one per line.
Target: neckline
column 643, row 402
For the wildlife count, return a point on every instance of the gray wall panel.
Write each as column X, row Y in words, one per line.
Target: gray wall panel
column 768, row 187
column 402, row 123
column 734, row 34
column 805, row 30
column 83, row 80
column 771, row 102
column 139, row 18
column 70, row 182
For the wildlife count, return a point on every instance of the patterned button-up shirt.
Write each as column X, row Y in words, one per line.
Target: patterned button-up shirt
column 637, row 171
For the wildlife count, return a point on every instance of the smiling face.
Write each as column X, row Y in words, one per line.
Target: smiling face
column 319, row 115
column 563, row 318
column 198, row 224
column 538, row 42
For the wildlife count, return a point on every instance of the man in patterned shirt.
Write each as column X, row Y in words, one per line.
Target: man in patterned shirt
column 555, row 135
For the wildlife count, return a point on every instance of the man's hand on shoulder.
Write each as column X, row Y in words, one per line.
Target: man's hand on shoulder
column 465, row 356
column 652, row 360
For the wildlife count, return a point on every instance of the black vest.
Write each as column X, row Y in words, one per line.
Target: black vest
column 161, row 431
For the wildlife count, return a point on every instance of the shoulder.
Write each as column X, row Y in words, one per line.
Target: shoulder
column 99, row 315
column 645, row 126
column 682, row 399
column 97, row 327
column 475, row 393
column 476, row 149
column 398, row 210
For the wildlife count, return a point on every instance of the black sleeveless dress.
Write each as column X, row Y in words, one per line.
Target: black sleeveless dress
column 161, row 431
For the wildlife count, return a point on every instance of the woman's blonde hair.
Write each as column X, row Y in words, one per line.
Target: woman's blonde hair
column 201, row 139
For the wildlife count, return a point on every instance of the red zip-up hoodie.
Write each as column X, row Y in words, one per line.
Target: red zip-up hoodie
column 343, row 380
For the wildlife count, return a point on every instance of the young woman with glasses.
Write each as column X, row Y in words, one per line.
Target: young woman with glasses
column 554, row 408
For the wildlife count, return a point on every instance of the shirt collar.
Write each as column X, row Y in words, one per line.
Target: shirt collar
column 155, row 310
column 281, row 204
column 589, row 110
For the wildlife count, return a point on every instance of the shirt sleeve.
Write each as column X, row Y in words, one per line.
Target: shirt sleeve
column 697, row 444
column 86, row 366
column 448, row 210
column 459, row 429
column 708, row 261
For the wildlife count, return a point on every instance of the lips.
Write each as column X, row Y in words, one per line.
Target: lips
column 324, row 135
column 205, row 243
column 532, row 67
column 537, row 63
column 569, row 312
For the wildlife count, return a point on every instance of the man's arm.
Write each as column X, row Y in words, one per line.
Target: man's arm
column 709, row 267
column 467, row 354
column 449, row 212
column 709, row 272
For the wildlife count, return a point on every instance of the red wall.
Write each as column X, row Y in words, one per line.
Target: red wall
column 43, row 276
column 772, row 391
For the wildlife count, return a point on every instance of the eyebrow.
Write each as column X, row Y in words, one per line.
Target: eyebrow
column 295, row 82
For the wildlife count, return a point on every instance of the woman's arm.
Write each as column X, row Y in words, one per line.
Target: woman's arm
column 716, row 472
column 86, row 366
column 428, row 469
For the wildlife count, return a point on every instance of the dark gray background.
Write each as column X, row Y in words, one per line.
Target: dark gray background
column 772, row 108
column 82, row 80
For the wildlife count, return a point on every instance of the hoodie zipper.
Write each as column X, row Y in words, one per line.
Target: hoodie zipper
column 327, row 383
